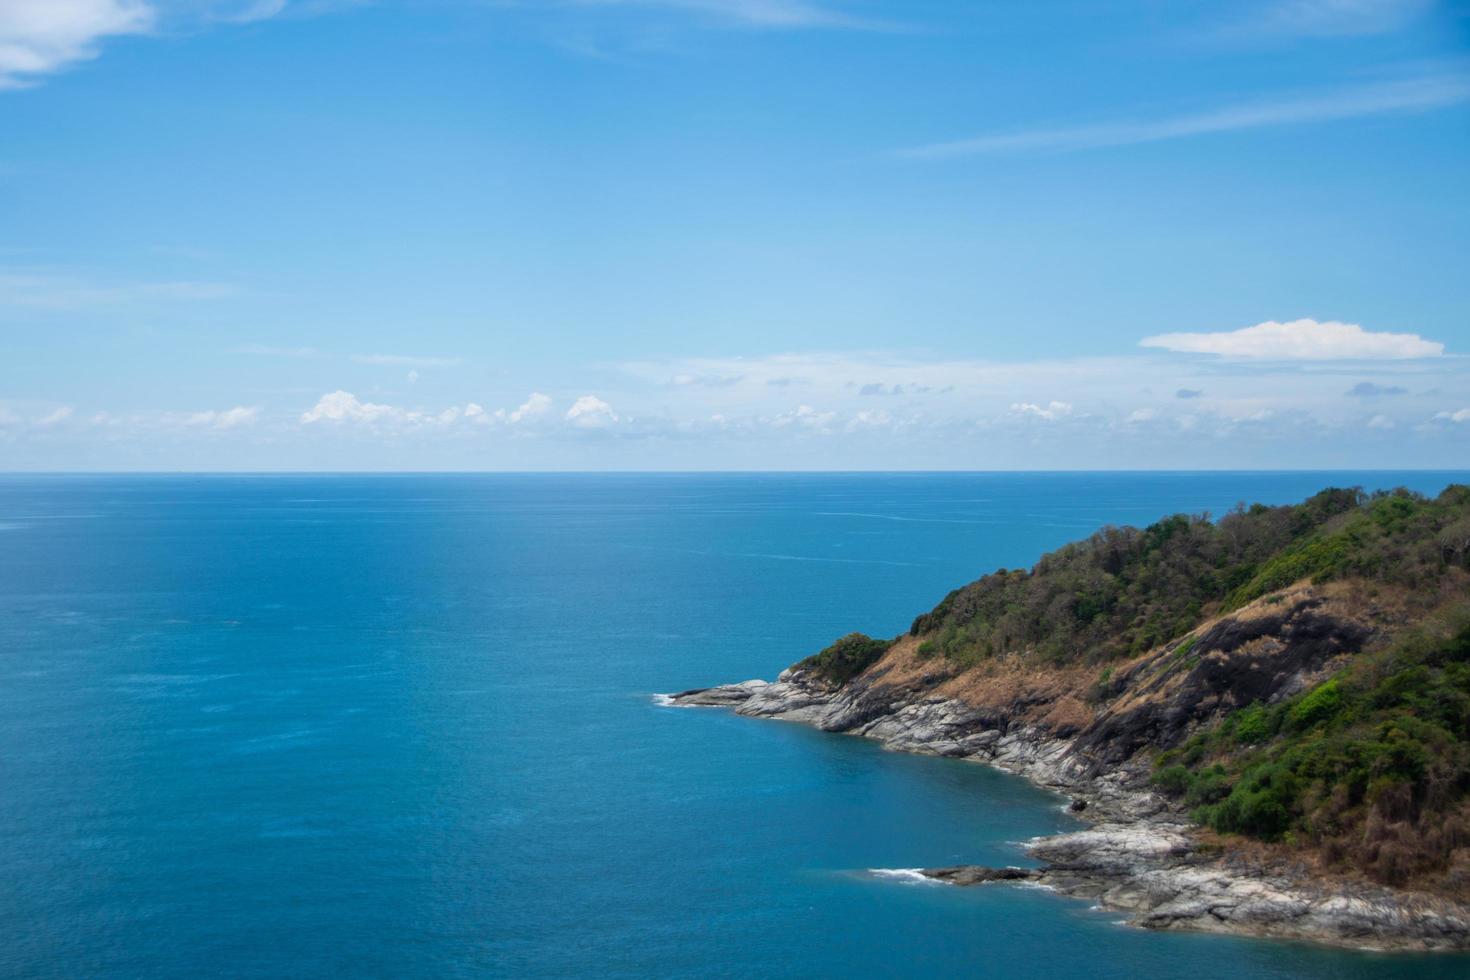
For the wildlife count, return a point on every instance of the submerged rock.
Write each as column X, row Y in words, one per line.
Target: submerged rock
column 975, row 874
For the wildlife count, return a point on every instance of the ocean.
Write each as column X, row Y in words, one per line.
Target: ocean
column 404, row 726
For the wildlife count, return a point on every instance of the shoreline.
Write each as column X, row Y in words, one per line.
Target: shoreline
column 1139, row 856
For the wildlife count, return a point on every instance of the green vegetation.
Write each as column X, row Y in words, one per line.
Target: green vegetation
column 1371, row 766
column 848, row 657
column 1124, row 591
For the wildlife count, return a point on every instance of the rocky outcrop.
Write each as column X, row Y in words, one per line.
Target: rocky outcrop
column 1141, row 856
column 1265, row 655
column 1157, row 873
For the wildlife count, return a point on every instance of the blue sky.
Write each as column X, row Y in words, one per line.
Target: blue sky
column 734, row 234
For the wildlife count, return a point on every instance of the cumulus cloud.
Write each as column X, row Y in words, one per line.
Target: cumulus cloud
column 1367, row 389
column 532, row 408
column 1380, row 422
column 1463, row 415
column 343, row 406
column 1300, row 340
column 1142, row 415
column 591, row 412
column 1051, row 412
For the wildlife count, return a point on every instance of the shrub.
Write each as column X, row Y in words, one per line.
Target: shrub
column 1319, row 705
column 1127, row 590
column 1173, row 780
column 1372, row 766
column 1252, row 725
column 848, row 657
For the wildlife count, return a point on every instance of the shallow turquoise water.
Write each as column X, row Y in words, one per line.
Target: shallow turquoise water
column 402, row 726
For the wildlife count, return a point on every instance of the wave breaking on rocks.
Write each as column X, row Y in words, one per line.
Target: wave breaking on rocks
column 1141, row 855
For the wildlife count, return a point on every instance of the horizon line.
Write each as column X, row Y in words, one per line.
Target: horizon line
column 734, row 472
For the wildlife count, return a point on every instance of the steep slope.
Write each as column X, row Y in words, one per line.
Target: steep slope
column 1269, row 715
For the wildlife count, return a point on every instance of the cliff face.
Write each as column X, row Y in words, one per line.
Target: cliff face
column 1296, row 715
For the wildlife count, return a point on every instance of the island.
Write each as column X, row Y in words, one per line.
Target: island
column 1265, row 718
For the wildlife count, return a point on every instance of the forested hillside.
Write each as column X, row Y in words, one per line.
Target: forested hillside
column 1297, row 674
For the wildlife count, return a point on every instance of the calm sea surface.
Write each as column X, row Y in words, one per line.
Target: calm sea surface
column 401, row 726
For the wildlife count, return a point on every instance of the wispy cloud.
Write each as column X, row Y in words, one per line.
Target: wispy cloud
column 1367, row 389
column 1402, row 96
column 765, row 14
column 1334, row 18
column 269, row 350
column 247, row 11
column 228, row 418
column 404, row 360
column 53, row 291
column 56, row 416
column 39, row 37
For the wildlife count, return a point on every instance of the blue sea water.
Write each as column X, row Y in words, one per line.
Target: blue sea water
column 401, row 726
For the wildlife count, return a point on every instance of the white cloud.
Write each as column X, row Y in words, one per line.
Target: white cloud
column 869, row 419
column 767, row 14
column 48, row 290
column 804, row 416
column 343, row 406
column 412, row 377
column 704, row 380
column 591, row 412
column 1337, row 18
column 56, row 417
column 1300, row 340
column 1142, row 415
column 247, row 11
column 401, row 360
column 266, row 350
column 1053, row 411
column 1463, row 415
column 532, row 408
column 1380, row 422
column 38, row 37
column 228, row 418
column 1409, row 95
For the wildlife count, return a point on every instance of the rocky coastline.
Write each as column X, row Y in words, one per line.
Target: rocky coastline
column 1140, row 856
